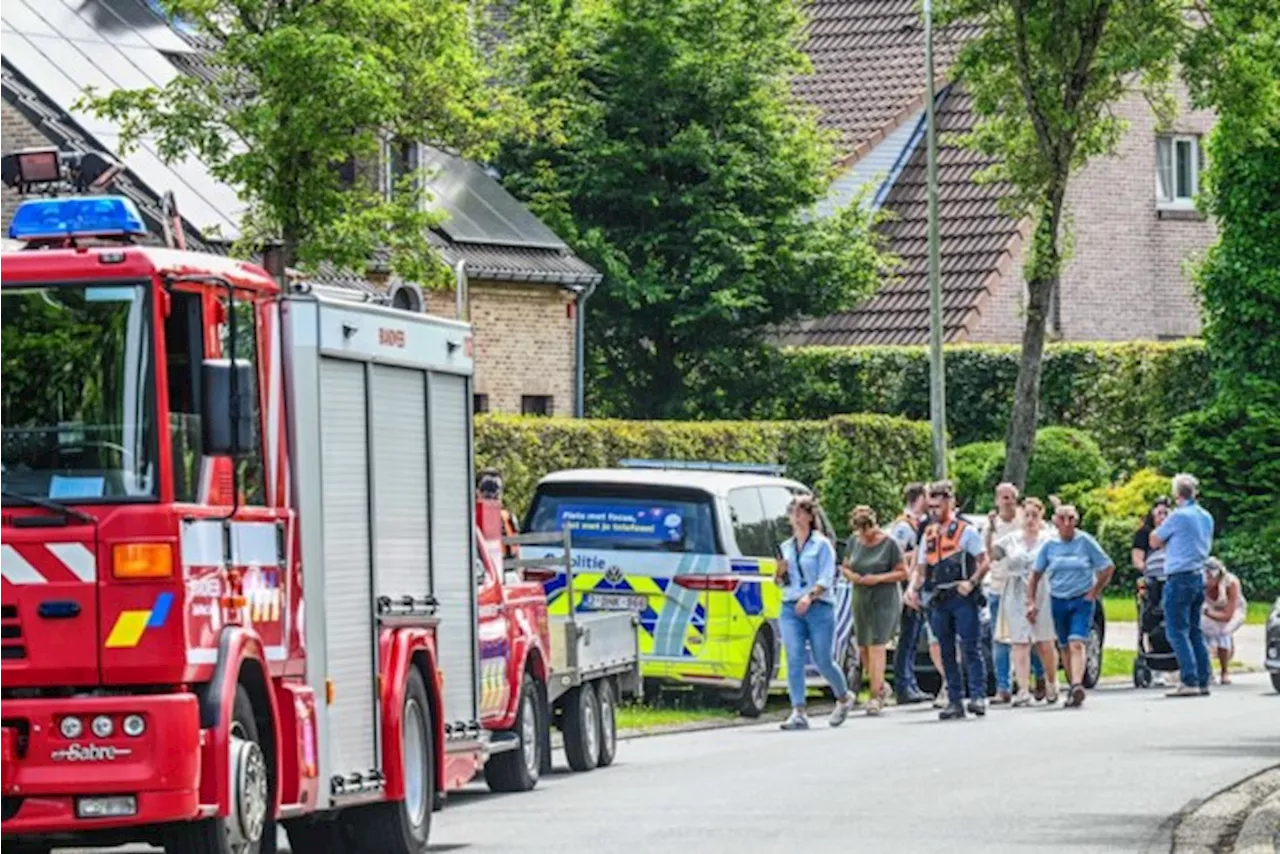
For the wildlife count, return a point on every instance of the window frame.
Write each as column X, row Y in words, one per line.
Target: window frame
column 1176, row 202
column 739, row 541
column 527, row 408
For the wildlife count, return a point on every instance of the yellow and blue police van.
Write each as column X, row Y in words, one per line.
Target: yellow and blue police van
column 691, row 549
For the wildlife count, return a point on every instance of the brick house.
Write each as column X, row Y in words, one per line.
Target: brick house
column 525, row 287
column 1134, row 223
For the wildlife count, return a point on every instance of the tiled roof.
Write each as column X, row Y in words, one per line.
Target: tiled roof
column 868, row 58
column 868, row 65
column 976, row 245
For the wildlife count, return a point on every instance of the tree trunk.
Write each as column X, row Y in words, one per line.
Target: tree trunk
column 1043, row 274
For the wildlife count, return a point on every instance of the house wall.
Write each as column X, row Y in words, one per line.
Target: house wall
column 1127, row 277
column 15, row 133
column 524, row 342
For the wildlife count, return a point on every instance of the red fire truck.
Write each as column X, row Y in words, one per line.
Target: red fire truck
column 239, row 570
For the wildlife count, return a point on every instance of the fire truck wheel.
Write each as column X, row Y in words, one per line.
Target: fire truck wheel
column 402, row 827
column 608, row 722
column 250, row 828
column 518, row 770
column 582, row 728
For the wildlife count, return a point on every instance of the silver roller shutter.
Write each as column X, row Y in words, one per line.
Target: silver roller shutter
column 452, row 537
column 348, row 577
column 403, row 564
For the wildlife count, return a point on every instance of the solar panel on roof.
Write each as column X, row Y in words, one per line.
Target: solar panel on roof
column 21, row 18
column 46, row 76
column 479, row 209
column 65, row 22
column 130, row 22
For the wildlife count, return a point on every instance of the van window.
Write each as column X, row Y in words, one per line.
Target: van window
column 751, row 528
column 623, row 518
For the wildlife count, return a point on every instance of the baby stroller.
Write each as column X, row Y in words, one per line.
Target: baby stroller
column 1154, row 651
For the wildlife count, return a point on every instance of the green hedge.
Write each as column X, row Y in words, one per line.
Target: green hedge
column 857, row 459
column 1125, row 395
column 1063, row 458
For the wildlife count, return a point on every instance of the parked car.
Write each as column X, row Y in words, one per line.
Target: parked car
column 690, row 548
column 1273, row 644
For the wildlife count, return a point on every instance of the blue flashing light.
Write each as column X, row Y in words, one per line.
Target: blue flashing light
column 84, row 216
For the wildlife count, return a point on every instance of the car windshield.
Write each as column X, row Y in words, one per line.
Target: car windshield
column 620, row 518
column 78, row 393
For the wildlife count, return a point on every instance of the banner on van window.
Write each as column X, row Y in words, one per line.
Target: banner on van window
column 620, row 522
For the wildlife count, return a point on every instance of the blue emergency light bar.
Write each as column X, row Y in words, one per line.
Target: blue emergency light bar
column 700, row 465
column 87, row 216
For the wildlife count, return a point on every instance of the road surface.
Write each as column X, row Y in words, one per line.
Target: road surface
column 1104, row 778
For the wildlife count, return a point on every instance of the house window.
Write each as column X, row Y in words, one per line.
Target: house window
column 480, row 403
column 403, row 159
column 1177, row 171
column 536, row 404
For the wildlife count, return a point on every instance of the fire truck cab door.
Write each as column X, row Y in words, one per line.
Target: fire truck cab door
column 51, row 624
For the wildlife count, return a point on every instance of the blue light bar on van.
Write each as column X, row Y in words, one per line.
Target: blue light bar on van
column 698, row 465
column 86, row 216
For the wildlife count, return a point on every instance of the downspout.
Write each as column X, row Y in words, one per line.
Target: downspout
column 580, row 312
column 463, row 311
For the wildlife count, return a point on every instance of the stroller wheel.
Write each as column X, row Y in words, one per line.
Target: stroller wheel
column 1142, row 676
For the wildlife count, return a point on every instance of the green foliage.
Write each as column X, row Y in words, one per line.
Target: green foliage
column 676, row 159
column 1124, row 395
column 301, row 88
column 850, row 460
column 1252, row 552
column 1065, row 462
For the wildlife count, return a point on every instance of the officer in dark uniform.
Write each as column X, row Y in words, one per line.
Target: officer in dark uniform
column 950, row 565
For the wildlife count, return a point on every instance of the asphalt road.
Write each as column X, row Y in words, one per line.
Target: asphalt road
column 1108, row 777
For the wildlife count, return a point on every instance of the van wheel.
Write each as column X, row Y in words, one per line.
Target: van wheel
column 754, row 697
column 517, row 770
column 608, row 723
column 250, row 828
column 402, row 827
column 582, row 728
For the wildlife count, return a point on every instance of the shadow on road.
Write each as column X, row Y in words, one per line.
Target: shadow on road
column 1093, row 831
column 1261, row 748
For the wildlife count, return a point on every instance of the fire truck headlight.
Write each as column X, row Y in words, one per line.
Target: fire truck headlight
column 134, row 726
column 71, row 727
column 102, row 726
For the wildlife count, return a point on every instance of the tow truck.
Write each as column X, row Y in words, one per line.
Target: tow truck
column 567, row 672
column 239, row 585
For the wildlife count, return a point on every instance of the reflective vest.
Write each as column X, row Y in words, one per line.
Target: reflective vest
column 946, row 562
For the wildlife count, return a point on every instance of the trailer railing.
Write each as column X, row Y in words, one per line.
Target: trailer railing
column 563, row 562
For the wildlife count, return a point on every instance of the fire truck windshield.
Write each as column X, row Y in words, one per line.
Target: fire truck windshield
column 78, row 395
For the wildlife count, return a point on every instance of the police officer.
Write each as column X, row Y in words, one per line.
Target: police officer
column 950, row 565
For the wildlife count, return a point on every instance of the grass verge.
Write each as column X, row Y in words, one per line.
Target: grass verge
column 1123, row 609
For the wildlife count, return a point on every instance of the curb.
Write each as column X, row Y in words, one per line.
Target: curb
column 1217, row 824
column 1261, row 831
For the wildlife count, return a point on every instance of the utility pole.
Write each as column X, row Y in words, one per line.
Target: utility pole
column 937, row 383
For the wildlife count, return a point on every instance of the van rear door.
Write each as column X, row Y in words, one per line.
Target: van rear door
column 648, row 549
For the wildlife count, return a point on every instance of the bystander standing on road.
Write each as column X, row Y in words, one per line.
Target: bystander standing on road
column 949, row 568
column 807, row 575
column 1187, row 537
column 906, row 531
column 874, row 566
column 1078, row 571
column 1018, row 551
column 1001, row 522
column 1224, row 612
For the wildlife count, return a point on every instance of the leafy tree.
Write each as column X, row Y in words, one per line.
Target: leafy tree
column 672, row 154
column 297, row 90
column 1043, row 75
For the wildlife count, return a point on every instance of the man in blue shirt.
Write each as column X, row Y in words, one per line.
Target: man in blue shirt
column 1187, row 537
column 1078, row 570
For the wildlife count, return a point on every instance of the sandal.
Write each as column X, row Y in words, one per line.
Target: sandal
column 874, row 707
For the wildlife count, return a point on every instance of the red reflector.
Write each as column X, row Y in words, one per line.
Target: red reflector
column 707, row 582
column 538, row 574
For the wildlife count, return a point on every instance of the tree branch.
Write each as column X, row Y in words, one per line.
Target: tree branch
column 1024, row 77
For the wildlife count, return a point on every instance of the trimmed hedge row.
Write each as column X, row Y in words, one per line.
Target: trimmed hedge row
column 1125, row 395
column 850, row 460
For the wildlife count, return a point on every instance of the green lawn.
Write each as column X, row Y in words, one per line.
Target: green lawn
column 1123, row 609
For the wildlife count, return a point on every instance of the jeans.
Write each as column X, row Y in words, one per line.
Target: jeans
column 1183, row 599
column 817, row 628
column 958, row 615
column 1000, row 653
column 904, row 654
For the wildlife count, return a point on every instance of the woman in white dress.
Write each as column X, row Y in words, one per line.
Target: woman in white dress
column 1019, row 549
column 1223, row 613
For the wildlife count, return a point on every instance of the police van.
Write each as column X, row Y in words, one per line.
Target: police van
column 690, row 548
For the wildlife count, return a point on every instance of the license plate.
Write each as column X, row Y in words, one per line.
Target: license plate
column 614, row 602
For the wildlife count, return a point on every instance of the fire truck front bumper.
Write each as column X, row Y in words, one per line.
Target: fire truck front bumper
column 75, row 765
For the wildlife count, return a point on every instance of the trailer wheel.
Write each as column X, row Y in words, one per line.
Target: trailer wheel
column 608, row 723
column 582, row 728
column 250, row 828
column 402, row 827
column 518, row 770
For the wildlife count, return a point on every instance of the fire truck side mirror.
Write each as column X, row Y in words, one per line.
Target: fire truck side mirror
column 228, row 421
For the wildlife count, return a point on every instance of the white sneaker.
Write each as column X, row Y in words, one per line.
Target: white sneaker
column 796, row 720
column 839, row 713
